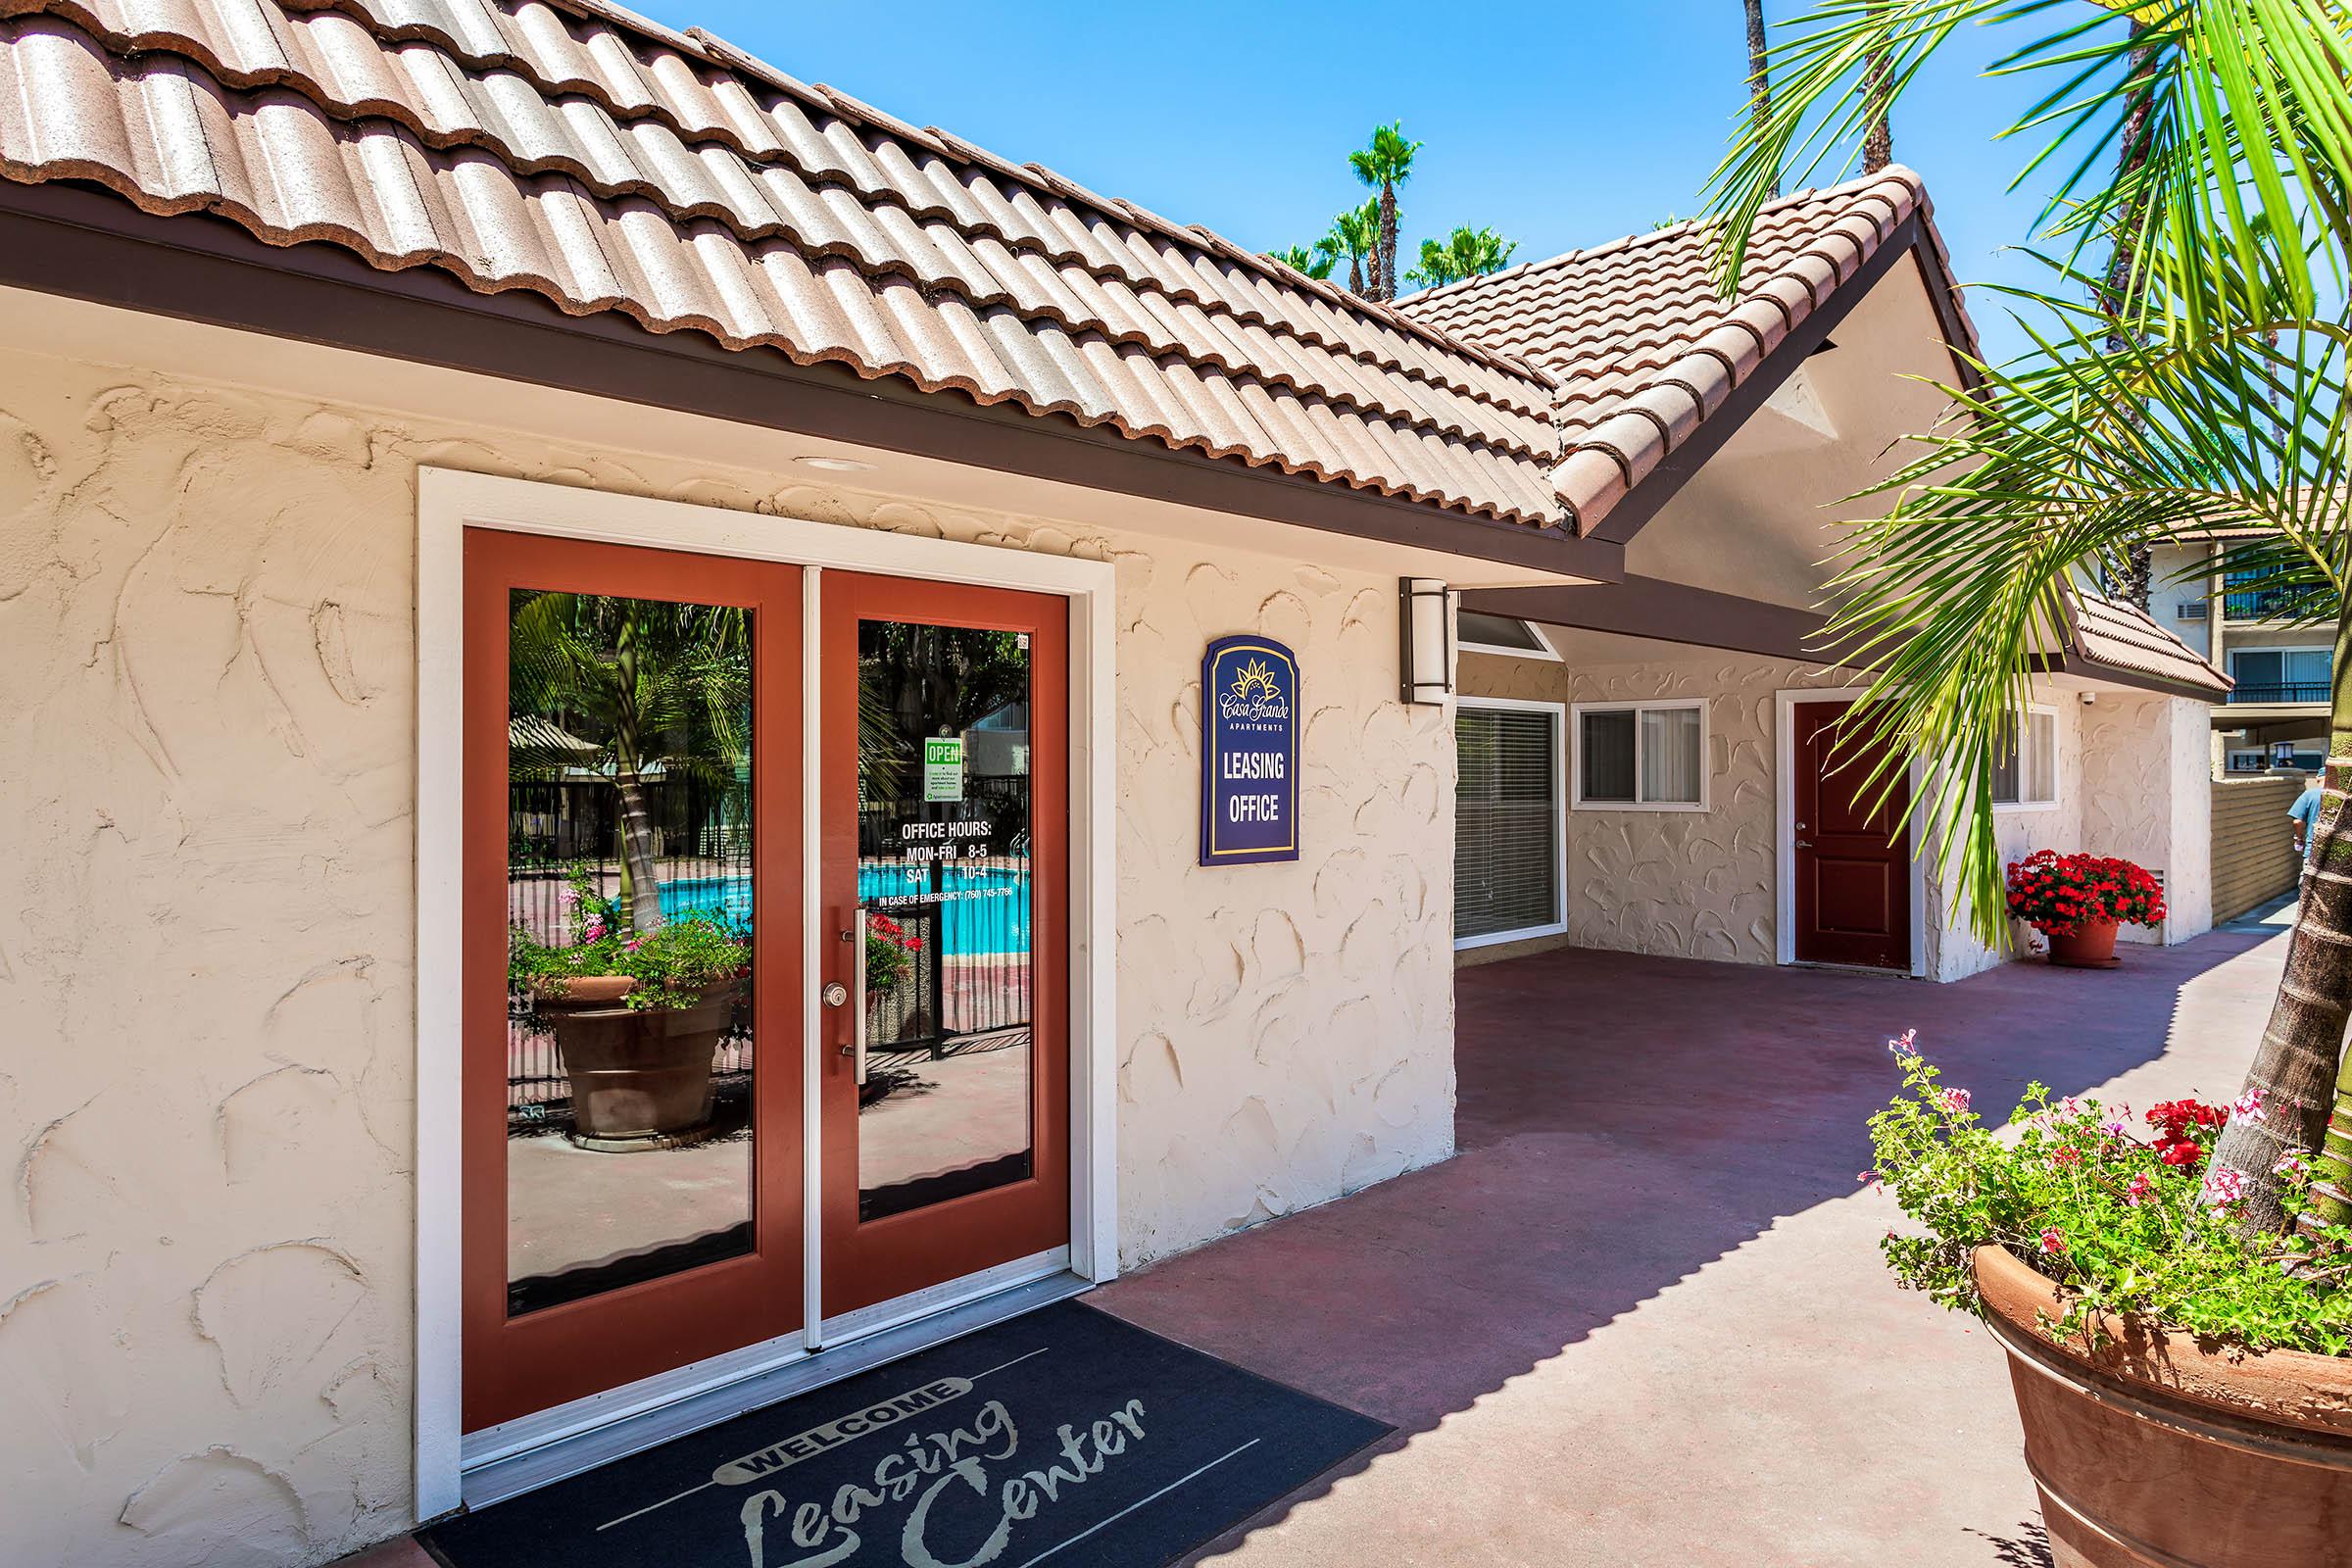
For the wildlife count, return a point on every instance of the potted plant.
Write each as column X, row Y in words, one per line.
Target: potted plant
column 2076, row 901
column 2183, row 1383
column 637, row 1017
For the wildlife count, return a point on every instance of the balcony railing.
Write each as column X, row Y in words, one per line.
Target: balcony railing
column 2273, row 603
column 2299, row 691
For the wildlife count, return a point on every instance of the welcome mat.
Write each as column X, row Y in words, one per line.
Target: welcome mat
column 1065, row 1436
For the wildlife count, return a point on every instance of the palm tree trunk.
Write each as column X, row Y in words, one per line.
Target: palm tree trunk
column 2298, row 1064
column 1384, row 286
column 2122, row 286
column 1355, row 275
column 1878, row 93
column 640, row 876
column 1759, row 81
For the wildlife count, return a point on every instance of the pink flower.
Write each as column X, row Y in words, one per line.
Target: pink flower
column 2290, row 1165
column 595, row 933
column 2118, row 1125
column 2139, row 1191
column 2248, row 1106
column 572, row 898
column 631, row 945
column 2222, row 1186
column 1955, row 1101
column 1905, row 1044
column 2052, row 1243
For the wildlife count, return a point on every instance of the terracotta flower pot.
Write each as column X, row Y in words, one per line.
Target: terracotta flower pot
column 2156, row 1452
column 640, row 1076
column 2092, row 947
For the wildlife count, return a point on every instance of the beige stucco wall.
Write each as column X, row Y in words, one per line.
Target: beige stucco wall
column 2131, row 771
column 1689, row 884
column 207, row 966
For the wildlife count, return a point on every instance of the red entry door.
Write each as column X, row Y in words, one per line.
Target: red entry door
column 633, row 1176
column 945, row 1059
column 1853, row 848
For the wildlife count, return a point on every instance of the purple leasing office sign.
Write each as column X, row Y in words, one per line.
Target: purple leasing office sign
column 1250, row 752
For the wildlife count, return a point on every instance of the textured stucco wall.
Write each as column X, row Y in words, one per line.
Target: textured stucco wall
column 2131, row 771
column 1690, row 884
column 2147, row 796
column 205, row 966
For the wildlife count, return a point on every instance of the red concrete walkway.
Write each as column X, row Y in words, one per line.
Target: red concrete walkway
column 1640, row 1318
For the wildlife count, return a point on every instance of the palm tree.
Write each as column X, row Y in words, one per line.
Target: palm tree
column 2119, row 291
column 1466, row 253
column 1385, row 165
column 629, row 688
column 1878, row 101
column 1759, row 80
column 2142, row 416
column 1316, row 264
column 1355, row 234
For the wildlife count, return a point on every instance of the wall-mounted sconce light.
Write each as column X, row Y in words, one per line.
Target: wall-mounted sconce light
column 1425, row 640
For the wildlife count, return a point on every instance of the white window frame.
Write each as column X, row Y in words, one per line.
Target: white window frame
column 2024, row 734
column 1558, row 924
column 1543, row 651
column 1576, row 771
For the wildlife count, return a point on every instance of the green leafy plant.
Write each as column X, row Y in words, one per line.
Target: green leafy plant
column 1465, row 253
column 2122, row 1222
column 890, row 951
column 672, row 965
column 2185, row 385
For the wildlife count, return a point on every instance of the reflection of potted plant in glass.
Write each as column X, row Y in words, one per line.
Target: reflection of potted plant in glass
column 636, row 1015
column 889, row 959
column 2078, row 900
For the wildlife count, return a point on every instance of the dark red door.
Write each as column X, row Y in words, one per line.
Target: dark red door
column 1853, row 848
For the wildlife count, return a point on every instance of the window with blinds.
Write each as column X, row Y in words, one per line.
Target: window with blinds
column 1507, row 821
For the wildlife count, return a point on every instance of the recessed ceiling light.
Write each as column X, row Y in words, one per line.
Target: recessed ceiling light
column 835, row 465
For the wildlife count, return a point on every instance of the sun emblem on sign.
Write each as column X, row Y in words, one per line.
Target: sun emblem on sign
column 1254, row 679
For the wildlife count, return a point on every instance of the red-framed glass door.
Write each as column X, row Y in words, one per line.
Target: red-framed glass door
column 632, row 1173
column 945, row 1059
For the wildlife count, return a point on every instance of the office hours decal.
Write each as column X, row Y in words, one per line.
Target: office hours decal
column 1250, row 752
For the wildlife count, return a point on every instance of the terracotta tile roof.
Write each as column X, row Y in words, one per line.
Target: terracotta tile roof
column 2108, row 631
column 1642, row 346
column 570, row 147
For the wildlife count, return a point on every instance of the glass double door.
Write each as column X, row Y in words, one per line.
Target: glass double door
column 645, row 1029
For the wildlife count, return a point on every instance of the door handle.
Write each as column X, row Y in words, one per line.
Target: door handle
column 856, row 1049
column 1804, row 844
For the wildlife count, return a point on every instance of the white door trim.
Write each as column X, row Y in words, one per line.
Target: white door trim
column 1784, row 833
column 448, row 501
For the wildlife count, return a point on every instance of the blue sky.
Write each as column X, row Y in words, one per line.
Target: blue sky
column 1559, row 124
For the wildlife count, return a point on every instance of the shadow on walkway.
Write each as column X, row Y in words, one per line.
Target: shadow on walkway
column 1623, row 1122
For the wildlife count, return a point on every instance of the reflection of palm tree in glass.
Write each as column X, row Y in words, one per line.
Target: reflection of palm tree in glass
column 917, row 680
column 631, row 686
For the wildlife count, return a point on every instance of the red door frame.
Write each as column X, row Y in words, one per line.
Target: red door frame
column 868, row 1263
column 512, row 1367
column 1835, row 839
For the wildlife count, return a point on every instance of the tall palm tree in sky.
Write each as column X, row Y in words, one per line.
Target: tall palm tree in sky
column 1465, row 253
column 2213, row 141
column 1385, row 165
column 1355, row 234
column 1316, row 263
column 1759, row 79
column 1877, row 103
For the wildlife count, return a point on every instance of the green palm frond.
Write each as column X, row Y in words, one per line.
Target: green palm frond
column 2044, row 473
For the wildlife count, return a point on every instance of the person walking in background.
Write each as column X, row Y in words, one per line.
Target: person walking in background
column 2305, row 814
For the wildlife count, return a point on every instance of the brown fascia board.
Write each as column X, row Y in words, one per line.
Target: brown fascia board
column 2117, row 676
column 1669, row 611
column 1677, row 468
column 88, row 243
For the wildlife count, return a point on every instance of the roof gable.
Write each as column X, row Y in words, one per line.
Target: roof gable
column 1643, row 348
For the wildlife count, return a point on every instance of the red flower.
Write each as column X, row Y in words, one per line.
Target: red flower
column 2184, row 1153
